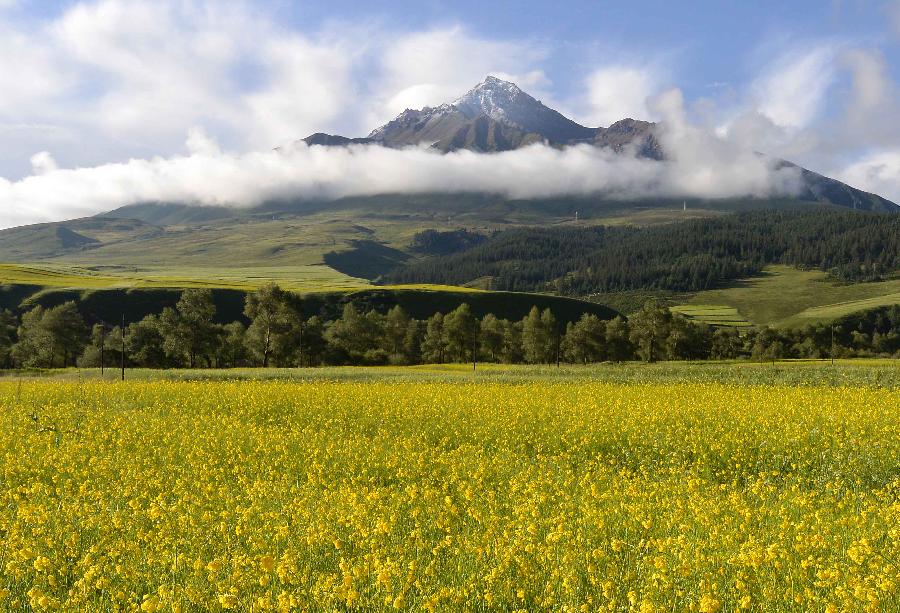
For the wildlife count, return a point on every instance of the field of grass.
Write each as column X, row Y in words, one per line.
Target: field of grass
column 784, row 296
column 297, row 278
column 434, row 489
column 855, row 372
column 713, row 315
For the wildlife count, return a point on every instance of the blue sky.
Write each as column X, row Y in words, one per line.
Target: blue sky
column 90, row 83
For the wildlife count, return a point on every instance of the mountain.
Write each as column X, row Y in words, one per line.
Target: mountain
column 496, row 115
column 367, row 235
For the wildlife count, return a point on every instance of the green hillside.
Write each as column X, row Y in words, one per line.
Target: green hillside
column 785, row 297
column 302, row 233
column 545, row 246
column 107, row 294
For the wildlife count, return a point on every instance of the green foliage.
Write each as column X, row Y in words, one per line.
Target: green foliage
column 105, row 345
column 232, row 348
column 189, row 330
column 271, row 318
column 144, row 343
column 7, row 337
column 434, row 242
column 649, row 330
column 692, row 255
column 491, row 337
column 539, row 337
column 460, row 330
column 50, row 337
column 434, row 343
column 585, row 340
column 618, row 342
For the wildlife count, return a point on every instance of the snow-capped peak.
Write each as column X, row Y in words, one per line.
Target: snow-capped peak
column 492, row 97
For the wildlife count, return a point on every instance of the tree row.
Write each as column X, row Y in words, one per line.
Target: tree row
column 278, row 335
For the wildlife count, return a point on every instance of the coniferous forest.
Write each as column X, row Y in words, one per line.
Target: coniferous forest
column 687, row 256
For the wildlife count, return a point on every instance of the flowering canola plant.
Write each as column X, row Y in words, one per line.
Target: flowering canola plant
column 448, row 496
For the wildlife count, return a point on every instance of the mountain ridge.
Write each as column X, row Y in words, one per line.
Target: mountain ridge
column 497, row 115
column 494, row 116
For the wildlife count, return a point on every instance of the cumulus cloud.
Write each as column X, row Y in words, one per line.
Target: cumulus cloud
column 703, row 166
column 43, row 162
column 128, row 77
column 791, row 93
column 616, row 92
column 878, row 173
column 436, row 66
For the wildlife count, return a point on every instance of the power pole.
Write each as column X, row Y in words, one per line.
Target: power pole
column 102, row 344
column 474, row 342
column 558, row 342
column 301, row 341
column 123, row 346
column 832, row 344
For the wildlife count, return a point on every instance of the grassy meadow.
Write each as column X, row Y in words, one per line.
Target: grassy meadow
column 785, row 296
column 669, row 487
column 295, row 278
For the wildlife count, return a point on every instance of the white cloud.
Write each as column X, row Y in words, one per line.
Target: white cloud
column 437, row 66
column 43, row 163
column 617, row 92
column 308, row 86
column 870, row 81
column 878, row 173
column 702, row 166
column 792, row 92
column 128, row 78
column 30, row 75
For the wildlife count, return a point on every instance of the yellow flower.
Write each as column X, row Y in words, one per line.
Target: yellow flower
column 267, row 563
column 228, row 601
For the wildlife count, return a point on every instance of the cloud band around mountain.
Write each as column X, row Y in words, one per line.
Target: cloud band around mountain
column 208, row 176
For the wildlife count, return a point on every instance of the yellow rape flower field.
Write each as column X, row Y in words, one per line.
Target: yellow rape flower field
column 566, row 495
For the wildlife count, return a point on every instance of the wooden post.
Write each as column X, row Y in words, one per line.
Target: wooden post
column 301, row 340
column 474, row 342
column 102, row 344
column 558, row 342
column 832, row 344
column 123, row 346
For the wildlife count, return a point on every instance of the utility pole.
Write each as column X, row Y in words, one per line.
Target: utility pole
column 558, row 342
column 123, row 346
column 474, row 343
column 102, row 344
column 301, row 340
column 832, row 344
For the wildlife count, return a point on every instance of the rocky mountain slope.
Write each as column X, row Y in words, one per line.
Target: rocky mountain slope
column 496, row 115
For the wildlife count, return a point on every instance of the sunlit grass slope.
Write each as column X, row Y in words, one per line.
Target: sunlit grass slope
column 785, row 296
